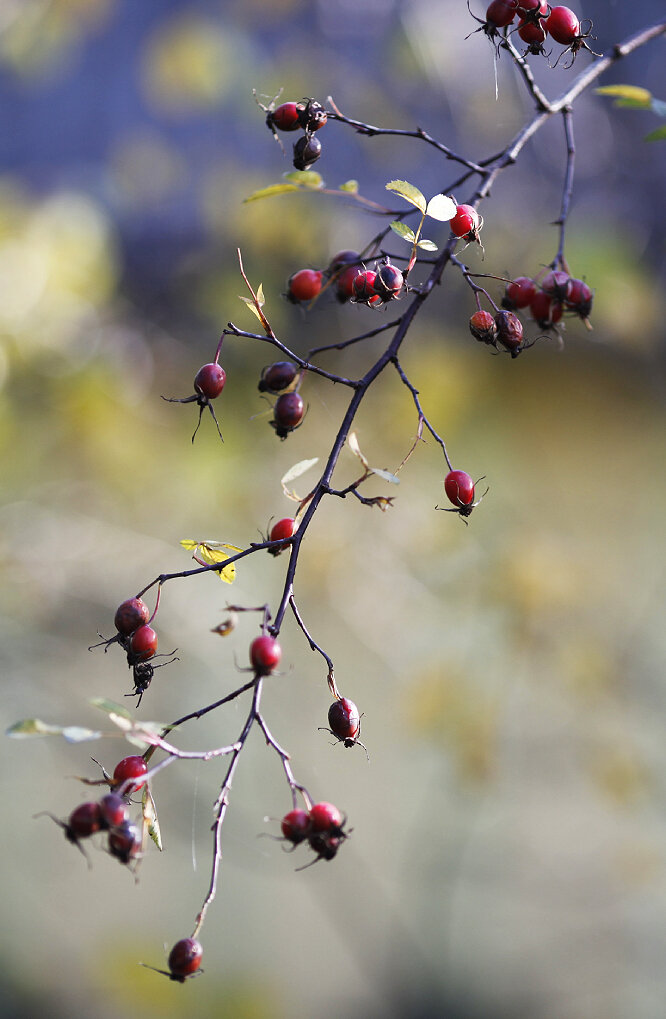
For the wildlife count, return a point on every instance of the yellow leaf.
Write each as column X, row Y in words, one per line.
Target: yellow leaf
column 209, row 553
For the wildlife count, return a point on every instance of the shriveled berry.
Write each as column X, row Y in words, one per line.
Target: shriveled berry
column 84, row 821
column 142, row 645
column 286, row 117
column 130, row 615
column 209, row 380
column 113, row 810
column 295, row 826
column 519, row 293
column 265, row 655
column 509, row 332
column 125, row 842
column 459, row 488
column 304, row 285
column 580, row 298
column 563, row 25
column 280, row 531
column 312, row 115
column 344, row 284
column 465, row 223
column 325, row 846
column 325, row 818
column 482, row 327
column 307, row 151
column 277, row 377
column 388, row 282
column 132, row 767
column 184, row 959
column 288, row 413
column 344, row 720
column 557, row 285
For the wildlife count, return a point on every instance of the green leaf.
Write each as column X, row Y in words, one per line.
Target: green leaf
column 427, row 245
column 627, row 92
column 351, row 186
column 633, row 104
column 110, row 707
column 404, row 231
column 305, row 178
column 386, row 475
column 273, row 189
column 408, row 192
column 659, row 134
column 35, row 727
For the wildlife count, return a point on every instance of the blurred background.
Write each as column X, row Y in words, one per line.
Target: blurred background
column 508, row 856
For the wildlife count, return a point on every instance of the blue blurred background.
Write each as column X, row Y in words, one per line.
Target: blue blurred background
column 508, row 853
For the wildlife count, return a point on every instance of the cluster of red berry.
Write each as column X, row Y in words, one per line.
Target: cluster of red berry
column 353, row 281
column 308, row 116
column 536, row 21
column 283, row 378
column 322, row 826
column 138, row 640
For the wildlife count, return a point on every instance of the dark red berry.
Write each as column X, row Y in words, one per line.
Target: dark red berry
column 466, row 222
column 286, row 117
column 459, row 488
column 296, row 825
column 312, row 115
column 544, row 310
column 304, row 285
column 563, row 25
column 342, row 259
column 532, row 9
column 209, row 380
column 307, row 151
column 130, row 615
column 482, row 327
column 184, row 959
column 265, row 655
column 557, row 285
column 501, row 13
column 580, row 298
column 287, row 413
column 325, row 846
column 142, row 645
column 129, row 767
column 344, row 720
column 509, row 334
column 389, row 281
column 84, row 821
column 113, row 810
column 534, row 35
column 519, row 293
column 125, row 842
column 325, row 818
column 277, row 377
column 280, row 531
column 364, row 285
column 345, row 282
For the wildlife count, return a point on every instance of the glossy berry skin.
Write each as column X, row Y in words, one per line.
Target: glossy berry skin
column 277, row 377
column 113, row 811
column 307, row 151
column 545, row 311
column 533, row 34
column 459, row 489
column 130, row 615
column 325, row 818
column 265, row 655
column 519, row 293
column 142, row 645
column 580, row 298
column 296, row 826
column 509, row 333
column 501, row 13
column 304, row 285
column 130, row 767
column 84, row 821
column 465, row 223
column 364, row 285
column 563, row 25
column 344, row 285
column 288, row 413
column 286, row 117
column 209, row 380
column 184, row 959
column 125, row 842
column 280, row 531
column 482, row 327
column 557, row 285
column 532, row 10
column 388, row 282
column 344, row 720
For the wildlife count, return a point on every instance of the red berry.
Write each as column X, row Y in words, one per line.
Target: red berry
column 184, row 959
column 388, row 282
column 287, row 413
column 557, row 285
column 325, row 819
column 84, row 821
column 304, row 285
column 533, row 34
column 563, row 25
column 125, row 842
column 286, row 117
column 364, row 285
column 459, row 488
column 580, row 298
column 130, row 615
column 280, row 531
column 545, row 311
column 278, row 376
column 465, row 223
column 509, row 334
column 532, row 9
column 113, row 810
column 501, row 13
column 345, row 282
column 342, row 259
column 130, row 767
column 296, row 825
column 519, row 293
column 307, row 151
column 482, row 327
column 142, row 644
column 344, row 720
column 209, row 380
column 265, row 655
